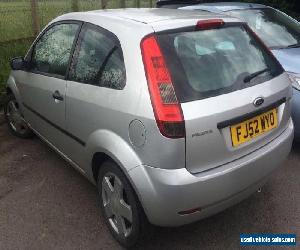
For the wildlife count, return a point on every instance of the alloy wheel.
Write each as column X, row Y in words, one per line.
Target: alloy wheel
column 116, row 206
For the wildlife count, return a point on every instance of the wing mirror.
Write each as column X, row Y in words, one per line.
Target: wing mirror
column 18, row 63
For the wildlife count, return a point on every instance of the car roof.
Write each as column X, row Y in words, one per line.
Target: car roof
column 140, row 15
column 143, row 20
column 225, row 6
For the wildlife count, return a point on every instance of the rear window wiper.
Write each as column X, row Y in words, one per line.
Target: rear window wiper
column 255, row 74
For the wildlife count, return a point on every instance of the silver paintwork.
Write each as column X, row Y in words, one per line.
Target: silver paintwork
column 168, row 175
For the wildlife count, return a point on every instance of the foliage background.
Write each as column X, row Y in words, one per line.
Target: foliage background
column 16, row 22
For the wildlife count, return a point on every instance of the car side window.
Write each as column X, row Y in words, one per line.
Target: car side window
column 98, row 60
column 52, row 52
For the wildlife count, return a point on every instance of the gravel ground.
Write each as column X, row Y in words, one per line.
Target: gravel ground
column 46, row 204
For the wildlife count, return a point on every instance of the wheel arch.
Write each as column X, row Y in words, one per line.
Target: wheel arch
column 98, row 159
column 106, row 145
column 12, row 89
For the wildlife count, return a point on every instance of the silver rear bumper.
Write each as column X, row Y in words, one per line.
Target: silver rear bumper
column 163, row 193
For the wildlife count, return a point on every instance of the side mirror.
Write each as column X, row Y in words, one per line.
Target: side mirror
column 17, row 63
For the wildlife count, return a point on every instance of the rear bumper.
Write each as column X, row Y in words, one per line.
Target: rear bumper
column 163, row 193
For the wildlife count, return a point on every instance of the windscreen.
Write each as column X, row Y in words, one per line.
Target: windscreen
column 276, row 29
column 208, row 63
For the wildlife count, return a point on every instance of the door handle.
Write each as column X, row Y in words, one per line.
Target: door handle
column 57, row 96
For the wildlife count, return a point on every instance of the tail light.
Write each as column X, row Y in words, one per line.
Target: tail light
column 167, row 109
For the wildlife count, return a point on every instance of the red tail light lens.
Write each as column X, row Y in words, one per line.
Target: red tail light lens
column 209, row 24
column 166, row 107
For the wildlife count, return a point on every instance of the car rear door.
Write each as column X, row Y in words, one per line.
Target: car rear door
column 234, row 95
column 43, row 85
column 209, row 137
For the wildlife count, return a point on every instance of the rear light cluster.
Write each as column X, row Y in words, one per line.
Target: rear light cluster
column 167, row 109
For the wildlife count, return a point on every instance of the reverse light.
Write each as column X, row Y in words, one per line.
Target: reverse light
column 209, row 24
column 167, row 109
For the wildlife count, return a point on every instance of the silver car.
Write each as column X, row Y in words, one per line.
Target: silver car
column 174, row 115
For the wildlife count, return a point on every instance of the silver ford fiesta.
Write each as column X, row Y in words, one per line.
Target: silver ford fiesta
column 174, row 115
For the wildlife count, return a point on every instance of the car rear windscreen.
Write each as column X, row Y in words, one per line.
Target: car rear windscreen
column 208, row 63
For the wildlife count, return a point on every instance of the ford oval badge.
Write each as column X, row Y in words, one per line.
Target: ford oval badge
column 258, row 101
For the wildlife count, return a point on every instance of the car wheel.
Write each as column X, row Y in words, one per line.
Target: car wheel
column 120, row 206
column 15, row 120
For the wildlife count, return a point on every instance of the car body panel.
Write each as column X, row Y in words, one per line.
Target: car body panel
column 36, row 94
column 11, row 86
column 289, row 59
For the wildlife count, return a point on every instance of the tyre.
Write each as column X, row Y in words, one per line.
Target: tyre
column 15, row 120
column 120, row 206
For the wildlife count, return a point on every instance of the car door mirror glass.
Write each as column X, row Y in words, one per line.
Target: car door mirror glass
column 17, row 63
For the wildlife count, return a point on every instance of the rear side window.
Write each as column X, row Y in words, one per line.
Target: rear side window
column 52, row 51
column 98, row 60
column 208, row 63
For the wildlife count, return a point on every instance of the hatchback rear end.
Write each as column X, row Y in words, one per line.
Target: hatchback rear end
column 222, row 105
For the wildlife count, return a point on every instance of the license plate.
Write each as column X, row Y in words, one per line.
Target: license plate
column 247, row 130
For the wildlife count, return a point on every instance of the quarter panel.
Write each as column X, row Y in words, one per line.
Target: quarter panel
column 91, row 109
column 114, row 146
column 100, row 118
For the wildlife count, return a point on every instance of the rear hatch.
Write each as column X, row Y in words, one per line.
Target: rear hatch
column 234, row 94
